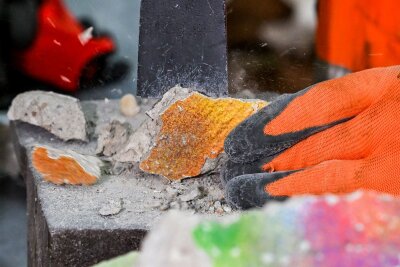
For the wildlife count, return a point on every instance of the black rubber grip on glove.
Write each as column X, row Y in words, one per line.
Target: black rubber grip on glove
column 248, row 191
column 248, row 143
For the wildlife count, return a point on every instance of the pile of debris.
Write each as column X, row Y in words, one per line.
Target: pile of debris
column 180, row 137
column 197, row 195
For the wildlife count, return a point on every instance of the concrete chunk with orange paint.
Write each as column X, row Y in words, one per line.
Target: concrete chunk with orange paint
column 66, row 166
column 192, row 134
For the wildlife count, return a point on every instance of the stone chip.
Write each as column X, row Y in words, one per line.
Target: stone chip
column 113, row 138
column 112, row 207
column 65, row 166
column 59, row 114
column 192, row 195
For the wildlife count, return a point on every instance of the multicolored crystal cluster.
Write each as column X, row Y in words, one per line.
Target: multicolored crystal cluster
column 362, row 229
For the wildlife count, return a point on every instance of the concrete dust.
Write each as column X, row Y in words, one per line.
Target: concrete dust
column 203, row 194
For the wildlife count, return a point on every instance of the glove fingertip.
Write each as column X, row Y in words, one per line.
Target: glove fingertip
column 232, row 169
column 248, row 191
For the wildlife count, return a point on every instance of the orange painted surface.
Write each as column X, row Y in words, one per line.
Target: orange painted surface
column 61, row 170
column 193, row 130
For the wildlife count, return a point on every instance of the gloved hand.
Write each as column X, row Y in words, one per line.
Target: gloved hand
column 334, row 137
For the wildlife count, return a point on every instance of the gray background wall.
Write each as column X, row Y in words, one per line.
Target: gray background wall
column 121, row 18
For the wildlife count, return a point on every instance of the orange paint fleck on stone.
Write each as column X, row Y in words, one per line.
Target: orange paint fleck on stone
column 60, row 169
column 194, row 129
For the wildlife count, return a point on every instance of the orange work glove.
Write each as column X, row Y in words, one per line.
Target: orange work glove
column 334, row 137
column 368, row 38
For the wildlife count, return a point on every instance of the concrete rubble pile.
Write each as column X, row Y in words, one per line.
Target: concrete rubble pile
column 180, row 136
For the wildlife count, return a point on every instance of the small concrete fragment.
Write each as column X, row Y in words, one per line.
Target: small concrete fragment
column 59, row 114
column 113, row 138
column 196, row 193
column 112, row 207
column 66, row 166
column 191, row 133
column 129, row 106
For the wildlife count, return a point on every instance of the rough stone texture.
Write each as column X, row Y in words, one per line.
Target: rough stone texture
column 51, row 244
column 113, row 138
column 359, row 229
column 59, row 114
column 77, row 225
column 184, row 134
column 112, row 207
column 196, row 193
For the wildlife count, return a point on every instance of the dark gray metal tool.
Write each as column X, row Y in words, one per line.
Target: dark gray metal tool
column 182, row 42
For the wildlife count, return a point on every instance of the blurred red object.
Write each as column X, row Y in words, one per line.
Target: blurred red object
column 61, row 49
